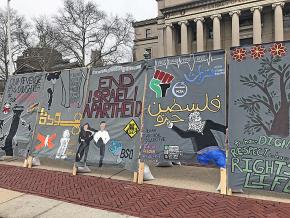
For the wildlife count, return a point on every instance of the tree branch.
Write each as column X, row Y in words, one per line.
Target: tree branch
column 265, row 90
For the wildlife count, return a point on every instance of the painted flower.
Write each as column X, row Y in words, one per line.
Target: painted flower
column 239, row 54
column 278, row 49
column 257, row 52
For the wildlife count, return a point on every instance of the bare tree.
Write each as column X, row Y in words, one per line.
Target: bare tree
column 114, row 40
column 46, row 43
column 45, row 33
column 20, row 34
column 82, row 27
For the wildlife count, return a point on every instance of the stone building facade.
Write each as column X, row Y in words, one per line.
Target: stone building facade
column 187, row 26
column 42, row 59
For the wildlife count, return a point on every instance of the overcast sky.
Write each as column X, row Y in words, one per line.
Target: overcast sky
column 140, row 9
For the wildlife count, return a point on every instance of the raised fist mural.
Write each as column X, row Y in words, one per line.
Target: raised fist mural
column 160, row 83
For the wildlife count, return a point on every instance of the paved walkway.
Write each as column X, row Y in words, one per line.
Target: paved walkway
column 19, row 205
column 131, row 199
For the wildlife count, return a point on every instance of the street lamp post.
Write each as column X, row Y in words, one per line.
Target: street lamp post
column 10, row 64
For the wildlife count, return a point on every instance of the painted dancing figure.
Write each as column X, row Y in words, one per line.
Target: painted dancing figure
column 85, row 137
column 203, row 139
column 63, row 145
column 101, row 138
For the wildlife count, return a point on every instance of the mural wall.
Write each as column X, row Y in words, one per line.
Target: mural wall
column 96, row 117
column 110, row 132
column 60, row 114
column 259, row 117
column 18, row 114
column 185, row 109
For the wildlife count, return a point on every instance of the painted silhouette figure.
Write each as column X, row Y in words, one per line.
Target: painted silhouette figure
column 72, row 92
column 203, row 140
column 2, row 138
column 46, row 141
column 63, row 145
column 52, row 77
column 101, row 138
column 1, row 126
column 17, row 111
column 50, row 96
column 85, row 137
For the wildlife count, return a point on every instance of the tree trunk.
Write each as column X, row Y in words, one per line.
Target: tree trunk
column 84, row 57
column 280, row 125
column 6, row 71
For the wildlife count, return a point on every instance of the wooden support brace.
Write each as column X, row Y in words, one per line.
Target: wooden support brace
column 135, row 178
column 223, row 181
column 228, row 190
column 141, row 173
column 25, row 164
column 75, row 170
column 225, row 190
column 29, row 160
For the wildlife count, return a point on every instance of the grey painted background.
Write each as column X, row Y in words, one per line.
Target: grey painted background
column 122, row 150
column 21, row 91
column 258, row 121
column 60, row 114
column 195, row 76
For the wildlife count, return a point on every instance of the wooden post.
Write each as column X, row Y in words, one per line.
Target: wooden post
column 75, row 170
column 135, row 178
column 223, row 181
column 88, row 69
column 141, row 173
column 29, row 160
column 224, row 174
column 25, row 164
column 229, row 191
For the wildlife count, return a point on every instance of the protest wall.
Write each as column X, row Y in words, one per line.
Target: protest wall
column 171, row 109
column 18, row 114
column 184, row 107
column 113, row 111
column 259, row 100
column 60, row 114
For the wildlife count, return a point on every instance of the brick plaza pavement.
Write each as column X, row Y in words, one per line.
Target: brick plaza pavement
column 132, row 199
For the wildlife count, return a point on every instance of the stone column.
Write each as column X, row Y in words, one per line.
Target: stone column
column 189, row 42
column 161, row 44
column 216, row 31
column 257, row 24
column 184, row 37
column 235, row 27
column 169, row 40
column 278, row 14
column 199, row 34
